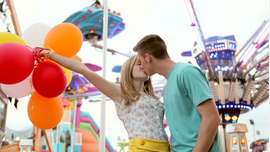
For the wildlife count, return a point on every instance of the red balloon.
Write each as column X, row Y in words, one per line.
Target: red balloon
column 45, row 113
column 16, row 62
column 49, row 79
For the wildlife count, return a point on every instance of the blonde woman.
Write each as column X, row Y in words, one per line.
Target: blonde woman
column 137, row 107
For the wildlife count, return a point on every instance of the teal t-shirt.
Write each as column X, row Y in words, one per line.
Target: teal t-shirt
column 186, row 88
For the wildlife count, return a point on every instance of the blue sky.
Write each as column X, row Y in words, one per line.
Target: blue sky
column 165, row 18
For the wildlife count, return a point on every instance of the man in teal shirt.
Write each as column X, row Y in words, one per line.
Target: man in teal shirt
column 190, row 110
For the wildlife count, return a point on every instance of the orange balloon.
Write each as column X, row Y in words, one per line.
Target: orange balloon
column 45, row 113
column 64, row 39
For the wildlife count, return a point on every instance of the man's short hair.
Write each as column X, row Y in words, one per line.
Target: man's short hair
column 153, row 45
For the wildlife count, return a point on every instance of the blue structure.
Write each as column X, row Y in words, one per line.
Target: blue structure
column 117, row 68
column 221, row 52
column 186, row 53
column 90, row 21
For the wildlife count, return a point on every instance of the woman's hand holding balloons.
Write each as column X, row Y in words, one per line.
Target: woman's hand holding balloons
column 41, row 54
column 25, row 72
column 46, row 53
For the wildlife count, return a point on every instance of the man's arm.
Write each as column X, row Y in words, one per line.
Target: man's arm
column 196, row 87
column 208, row 127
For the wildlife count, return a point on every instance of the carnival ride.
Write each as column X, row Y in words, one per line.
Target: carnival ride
column 238, row 78
column 259, row 145
column 90, row 21
column 243, row 73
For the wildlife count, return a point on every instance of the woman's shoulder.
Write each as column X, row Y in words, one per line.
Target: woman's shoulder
column 119, row 102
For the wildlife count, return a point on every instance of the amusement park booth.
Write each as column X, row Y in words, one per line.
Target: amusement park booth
column 236, row 137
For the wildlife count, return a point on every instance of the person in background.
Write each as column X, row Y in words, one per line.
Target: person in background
column 117, row 80
column 136, row 104
column 96, row 4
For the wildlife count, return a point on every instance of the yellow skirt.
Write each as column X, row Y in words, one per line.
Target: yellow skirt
column 148, row 145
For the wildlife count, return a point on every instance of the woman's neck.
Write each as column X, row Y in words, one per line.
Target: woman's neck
column 138, row 84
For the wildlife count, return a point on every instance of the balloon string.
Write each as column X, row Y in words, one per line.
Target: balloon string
column 32, row 103
column 29, row 47
column 31, row 100
column 31, row 85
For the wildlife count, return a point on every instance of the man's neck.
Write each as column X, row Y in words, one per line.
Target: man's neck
column 163, row 67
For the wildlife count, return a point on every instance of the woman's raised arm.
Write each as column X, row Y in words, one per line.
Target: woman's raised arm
column 108, row 88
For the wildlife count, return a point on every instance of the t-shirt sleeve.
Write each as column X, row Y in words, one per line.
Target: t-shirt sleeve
column 195, row 85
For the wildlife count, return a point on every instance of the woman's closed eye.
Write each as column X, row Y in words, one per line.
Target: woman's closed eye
column 138, row 63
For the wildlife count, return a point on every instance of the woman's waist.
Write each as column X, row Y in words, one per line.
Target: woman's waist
column 143, row 140
column 161, row 135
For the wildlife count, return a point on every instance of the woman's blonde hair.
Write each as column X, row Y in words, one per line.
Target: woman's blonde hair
column 129, row 93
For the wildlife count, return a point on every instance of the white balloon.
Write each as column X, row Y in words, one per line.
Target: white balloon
column 20, row 89
column 35, row 34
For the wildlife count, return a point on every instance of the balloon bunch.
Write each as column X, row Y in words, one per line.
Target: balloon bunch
column 49, row 79
column 24, row 72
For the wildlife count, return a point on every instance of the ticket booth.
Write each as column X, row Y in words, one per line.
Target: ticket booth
column 236, row 137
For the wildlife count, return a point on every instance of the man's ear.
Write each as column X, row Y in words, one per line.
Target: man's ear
column 148, row 57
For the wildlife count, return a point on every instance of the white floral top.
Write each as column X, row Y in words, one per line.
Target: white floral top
column 143, row 118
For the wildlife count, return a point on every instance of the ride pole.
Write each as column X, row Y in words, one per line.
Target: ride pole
column 103, row 98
